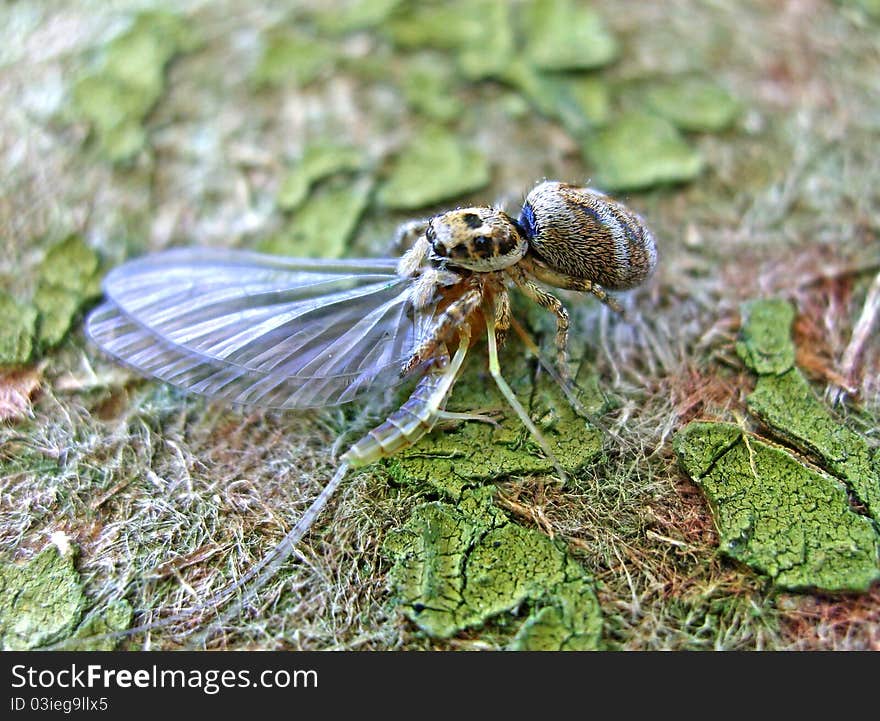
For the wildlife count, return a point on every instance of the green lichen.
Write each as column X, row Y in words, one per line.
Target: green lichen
column 788, row 405
column 480, row 33
column 871, row 8
column 588, row 104
column 355, row 15
column 698, row 448
column 116, row 98
column 443, row 26
column 41, row 601
column 579, row 103
column 693, row 104
column 292, row 57
column 434, row 166
column 428, row 86
column 784, row 401
column 777, row 516
column 69, row 277
column 18, row 326
column 639, row 150
column 453, row 459
column 457, row 567
column 571, row 620
column 100, row 630
column 765, row 344
column 488, row 54
column 564, row 35
column 318, row 162
column 73, row 265
column 57, row 308
column 323, row 227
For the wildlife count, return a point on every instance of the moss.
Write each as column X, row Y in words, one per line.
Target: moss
column 17, row 389
column 433, row 167
column 116, row 98
column 319, row 161
column 69, row 277
column 765, row 344
column 782, row 519
column 457, row 567
column 18, row 326
column 693, row 103
column 453, row 459
column 40, row 602
column 715, row 617
column 639, row 150
column 563, row 35
column 289, row 56
column 787, row 404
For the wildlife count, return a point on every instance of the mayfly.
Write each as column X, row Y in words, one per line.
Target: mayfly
column 292, row 333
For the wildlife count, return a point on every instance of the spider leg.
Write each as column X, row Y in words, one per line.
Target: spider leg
column 587, row 286
column 569, row 282
column 554, row 305
column 407, row 234
column 412, row 260
column 455, row 316
column 507, row 391
column 426, row 282
column 502, row 316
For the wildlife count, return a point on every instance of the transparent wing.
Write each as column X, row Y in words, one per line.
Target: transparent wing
column 258, row 329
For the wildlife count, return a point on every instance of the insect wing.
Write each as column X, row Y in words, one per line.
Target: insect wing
column 257, row 329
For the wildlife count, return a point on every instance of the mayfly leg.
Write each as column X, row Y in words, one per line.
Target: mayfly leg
column 507, row 391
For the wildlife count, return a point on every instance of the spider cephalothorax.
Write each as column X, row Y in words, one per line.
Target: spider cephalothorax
column 480, row 239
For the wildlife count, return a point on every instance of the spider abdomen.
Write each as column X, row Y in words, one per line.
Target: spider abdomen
column 583, row 233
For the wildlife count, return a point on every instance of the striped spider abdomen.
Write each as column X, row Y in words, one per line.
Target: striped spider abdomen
column 585, row 234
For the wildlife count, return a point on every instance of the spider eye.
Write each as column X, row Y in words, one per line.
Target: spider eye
column 482, row 241
column 472, row 220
